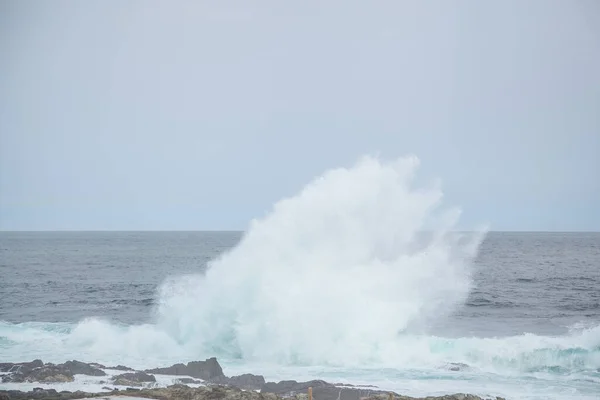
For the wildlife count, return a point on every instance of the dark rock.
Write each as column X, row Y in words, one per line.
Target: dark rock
column 81, row 368
column 6, row 367
column 33, row 365
column 333, row 393
column 321, row 390
column 182, row 392
column 110, row 389
column 457, row 366
column 120, row 368
column 188, row 381
column 245, row 381
column 292, row 387
column 352, row 386
column 133, row 379
column 36, row 393
column 23, row 367
column 205, row 370
column 49, row 373
column 37, row 371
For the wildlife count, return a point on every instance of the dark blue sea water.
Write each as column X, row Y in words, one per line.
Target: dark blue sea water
column 528, row 326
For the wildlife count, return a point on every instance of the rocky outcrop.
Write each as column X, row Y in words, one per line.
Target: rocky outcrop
column 120, row 368
column 16, row 367
column 205, row 370
column 321, row 390
column 133, row 379
column 245, row 381
column 37, row 371
column 289, row 388
column 46, row 374
column 182, row 392
column 81, row 368
column 189, row 381
column 216, row 386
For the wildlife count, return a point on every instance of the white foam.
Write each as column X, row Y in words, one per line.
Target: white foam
column 331, row 275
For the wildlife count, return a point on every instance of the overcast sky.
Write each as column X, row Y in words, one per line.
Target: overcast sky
column 199, row 115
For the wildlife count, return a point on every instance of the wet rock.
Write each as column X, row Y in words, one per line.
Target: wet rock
column 110, row 389
column 352, row 386
column 23, row 367
column 49, row 373
column 245, row 381
column 5, row 367
column 187, row 381
column 457, row 367
column 133, row 379
column 292, row 387
column 182, row 392
column 321, row 390
column 205, row 370
column 81, row 368
column 336, row 393
column 120, row 368
column 37, row 371
column 36, row 393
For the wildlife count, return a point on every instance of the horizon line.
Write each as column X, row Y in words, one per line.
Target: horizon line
column 244, row 230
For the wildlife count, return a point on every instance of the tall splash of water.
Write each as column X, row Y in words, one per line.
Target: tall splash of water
column 329, row 276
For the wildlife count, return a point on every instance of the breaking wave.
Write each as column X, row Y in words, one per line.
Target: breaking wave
column 333, row 274
column 146, row 346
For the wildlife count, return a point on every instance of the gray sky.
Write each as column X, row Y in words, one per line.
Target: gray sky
column 200, row 115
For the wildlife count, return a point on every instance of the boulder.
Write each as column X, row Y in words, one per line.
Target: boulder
column 37, row 371
column 121, row 368
column 245, row 381
column 292, row 387
column 187, row 381
column 321, row 390
column 48, row 373
column 133, row 379
column 24, row 367
column 205, row 370
column 455, row 367
column 81, row 368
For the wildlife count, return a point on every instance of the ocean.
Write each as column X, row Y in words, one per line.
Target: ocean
column 335, row 283
column 529, row 327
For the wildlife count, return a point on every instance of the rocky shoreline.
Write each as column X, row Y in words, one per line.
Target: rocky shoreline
column 207, row 376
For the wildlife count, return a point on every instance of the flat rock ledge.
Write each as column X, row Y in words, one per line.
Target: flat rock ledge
column 182, row 392
column 37, row 371
column 216, row 386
